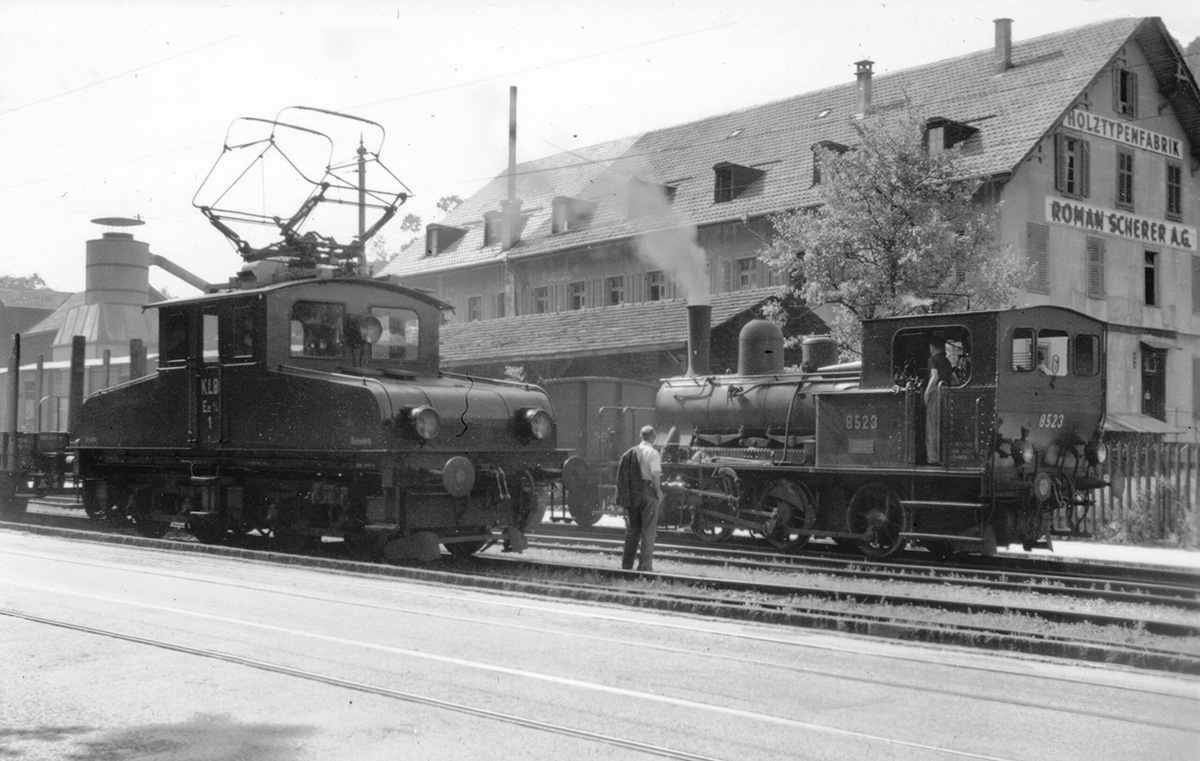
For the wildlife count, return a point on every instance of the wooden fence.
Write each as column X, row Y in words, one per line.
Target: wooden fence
column 1156, row 496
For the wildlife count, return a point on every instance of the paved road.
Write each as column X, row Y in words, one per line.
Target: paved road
column 142, row 654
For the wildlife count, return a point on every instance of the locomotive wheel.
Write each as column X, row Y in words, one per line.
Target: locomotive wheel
column 528, row 510
column 876, row 513
column 791, row 509
column 706, row 528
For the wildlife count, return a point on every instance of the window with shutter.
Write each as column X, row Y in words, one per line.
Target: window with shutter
column 1174, row 191
column 1125, row 92
column 1125, row 179
column 1071, row 159
column 1095, row 254
column 1037, row 245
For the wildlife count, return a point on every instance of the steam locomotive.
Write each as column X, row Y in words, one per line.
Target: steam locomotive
column 840, row 450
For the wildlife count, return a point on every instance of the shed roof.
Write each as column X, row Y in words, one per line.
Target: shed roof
column 622, row 329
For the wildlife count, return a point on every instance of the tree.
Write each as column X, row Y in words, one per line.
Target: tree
column 899, row 231
column 447, row 204
column 32, row 282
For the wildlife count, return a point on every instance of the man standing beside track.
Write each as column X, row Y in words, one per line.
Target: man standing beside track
column 639, row 490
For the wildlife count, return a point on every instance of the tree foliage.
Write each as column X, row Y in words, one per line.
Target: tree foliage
column 32, row 282
column 899, row 231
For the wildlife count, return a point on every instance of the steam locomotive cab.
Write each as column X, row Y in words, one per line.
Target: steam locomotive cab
column 853, row 452
column 310, row 408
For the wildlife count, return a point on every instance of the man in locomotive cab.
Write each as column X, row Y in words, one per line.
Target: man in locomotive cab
column 639, row 490
column 940, row 372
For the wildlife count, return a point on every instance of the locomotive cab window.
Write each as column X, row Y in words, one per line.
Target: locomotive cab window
column 317, row 329
column 173, row 338
column 911, row 353
column 211, row 327
column 401, row 334
column 1087, row 354
column 240, row 337
column 1041, row 350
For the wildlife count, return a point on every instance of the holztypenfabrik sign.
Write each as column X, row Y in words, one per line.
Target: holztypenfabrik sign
column 1121, row 224
column 1124, row 132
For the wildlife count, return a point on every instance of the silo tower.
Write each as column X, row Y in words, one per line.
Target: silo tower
column 118, row 287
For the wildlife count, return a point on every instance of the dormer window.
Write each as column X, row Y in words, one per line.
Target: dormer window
column 942, row 134
column 568, row 214
column 732, row 180
column 648, row 198
column 817, row 148
column 438, row 238
column 493, row 228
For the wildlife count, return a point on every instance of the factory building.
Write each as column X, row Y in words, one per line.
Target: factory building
column 1087, row 139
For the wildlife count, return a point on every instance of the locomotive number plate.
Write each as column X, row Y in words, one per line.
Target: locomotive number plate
column 1050, row 420
column 862, row 422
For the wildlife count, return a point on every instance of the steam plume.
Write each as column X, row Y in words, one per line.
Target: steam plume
column 672, row 247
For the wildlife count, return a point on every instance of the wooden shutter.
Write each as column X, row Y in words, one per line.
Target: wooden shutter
column 1085, row 160
column 1038, row 236
column 1095, row 254
column 1060, row 162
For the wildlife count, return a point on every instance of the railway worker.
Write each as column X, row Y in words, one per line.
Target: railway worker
column 639, row 490
column 940, row 372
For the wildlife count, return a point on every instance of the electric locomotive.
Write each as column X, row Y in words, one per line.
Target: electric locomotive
column 840, row 450
column 304, row 400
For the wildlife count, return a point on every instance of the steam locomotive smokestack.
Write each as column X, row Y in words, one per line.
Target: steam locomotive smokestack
column 699, row 337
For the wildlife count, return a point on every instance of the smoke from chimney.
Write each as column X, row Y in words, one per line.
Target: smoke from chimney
column 672, row 247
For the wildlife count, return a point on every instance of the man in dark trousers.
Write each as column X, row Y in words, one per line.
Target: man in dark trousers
column 940, row 373
column 639, row 491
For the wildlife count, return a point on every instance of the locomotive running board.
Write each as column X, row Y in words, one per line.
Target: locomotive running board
column 929, row 503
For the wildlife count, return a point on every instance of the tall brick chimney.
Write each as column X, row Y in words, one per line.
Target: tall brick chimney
column 1003, row 45
column 863, row 72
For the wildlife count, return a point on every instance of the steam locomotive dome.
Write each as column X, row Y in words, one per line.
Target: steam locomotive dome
column 762, row 405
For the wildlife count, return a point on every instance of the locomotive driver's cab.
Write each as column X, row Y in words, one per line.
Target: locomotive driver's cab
column 910, row 355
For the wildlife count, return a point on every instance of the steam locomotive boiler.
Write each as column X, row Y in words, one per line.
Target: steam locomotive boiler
column 840, row 451
column 304, row 400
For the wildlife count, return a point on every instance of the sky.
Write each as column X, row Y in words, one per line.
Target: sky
column 119, row 108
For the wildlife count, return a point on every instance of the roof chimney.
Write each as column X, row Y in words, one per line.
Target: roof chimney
column 863, row 73
column 1003, row 45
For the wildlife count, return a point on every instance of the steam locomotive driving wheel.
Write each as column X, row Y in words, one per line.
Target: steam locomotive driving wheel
column 790, row 512
column 875, row 513
column 710, row 516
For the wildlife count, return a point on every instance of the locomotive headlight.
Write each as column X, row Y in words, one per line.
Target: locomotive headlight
column 1096, row 452
column 538, row 423
column 1043, row 486
column 425, row 421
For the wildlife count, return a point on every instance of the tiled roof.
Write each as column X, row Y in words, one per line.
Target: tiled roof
column 628, row 328
column 31, row 298
column 1011, row 110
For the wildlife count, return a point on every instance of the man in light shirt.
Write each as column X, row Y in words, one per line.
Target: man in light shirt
column 642, row 495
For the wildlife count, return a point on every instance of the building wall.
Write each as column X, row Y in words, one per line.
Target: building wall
column 1118, row 297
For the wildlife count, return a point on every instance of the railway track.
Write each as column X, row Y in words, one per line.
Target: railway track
column 1108, row 586
column 892, row 615
column 1157, row 580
